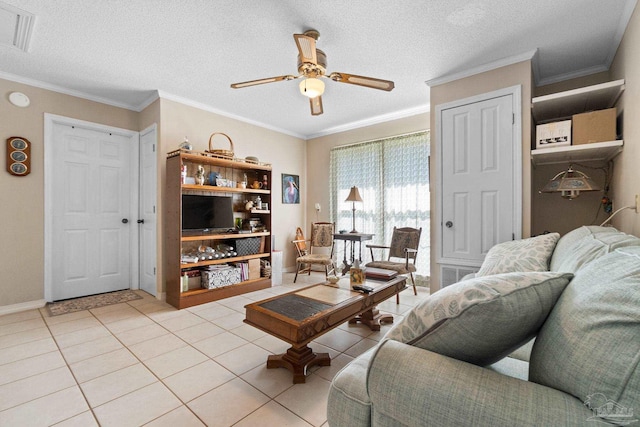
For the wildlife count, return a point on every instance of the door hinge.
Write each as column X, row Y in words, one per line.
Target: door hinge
column 513, row 119
column 154, row 271
column 513, row 236
column 154, row 147
column 154, row 209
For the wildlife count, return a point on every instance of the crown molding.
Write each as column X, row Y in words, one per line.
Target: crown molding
column 209, row 108
column 65, row 91
column 573, row 75
column 527, row 56
column 150, row 100
column 373, row 121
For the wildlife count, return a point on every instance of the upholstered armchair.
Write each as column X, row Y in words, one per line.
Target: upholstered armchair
column 402, row 253
column 320, row 249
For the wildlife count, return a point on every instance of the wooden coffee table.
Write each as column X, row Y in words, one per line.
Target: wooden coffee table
column 301, row 316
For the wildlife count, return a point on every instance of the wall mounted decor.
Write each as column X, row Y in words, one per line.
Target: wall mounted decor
column 18, row 156
column 290, row 189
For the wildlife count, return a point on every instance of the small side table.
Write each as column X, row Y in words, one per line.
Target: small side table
column 353, row 238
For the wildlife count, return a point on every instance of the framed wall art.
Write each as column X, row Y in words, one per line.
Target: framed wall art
column 290, row 189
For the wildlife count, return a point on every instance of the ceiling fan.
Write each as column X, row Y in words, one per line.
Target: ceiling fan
column 312, row 66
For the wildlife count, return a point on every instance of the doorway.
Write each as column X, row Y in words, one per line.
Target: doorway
column 147, row 219
column 479, row 198
column 91, row 206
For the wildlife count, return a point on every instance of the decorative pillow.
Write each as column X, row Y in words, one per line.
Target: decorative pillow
column 532, row 254
column 482, row 320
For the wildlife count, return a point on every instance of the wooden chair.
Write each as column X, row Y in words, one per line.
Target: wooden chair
column 321, row 239
column 403, row 249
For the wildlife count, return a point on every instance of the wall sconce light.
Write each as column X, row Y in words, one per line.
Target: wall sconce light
column 570, row 183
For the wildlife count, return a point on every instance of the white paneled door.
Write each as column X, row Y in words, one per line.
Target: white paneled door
column 479, row 189
column 147, row 221
column 93, row 177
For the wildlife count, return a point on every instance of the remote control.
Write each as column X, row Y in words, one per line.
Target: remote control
column 364, row 288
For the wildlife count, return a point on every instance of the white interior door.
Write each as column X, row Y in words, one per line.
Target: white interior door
column 479, row 202
column 92, row 179
column 148, row 224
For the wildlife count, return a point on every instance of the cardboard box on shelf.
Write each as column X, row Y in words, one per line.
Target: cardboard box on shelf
column 594, row 126
column 556, row 134
column 254, row 268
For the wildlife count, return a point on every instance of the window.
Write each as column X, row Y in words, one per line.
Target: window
column 392, row 176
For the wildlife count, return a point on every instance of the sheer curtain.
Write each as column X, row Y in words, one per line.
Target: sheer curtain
column 392, row 175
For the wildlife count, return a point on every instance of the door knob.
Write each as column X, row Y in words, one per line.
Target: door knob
column 141, row 221
column 448, row 224
column 125, row 220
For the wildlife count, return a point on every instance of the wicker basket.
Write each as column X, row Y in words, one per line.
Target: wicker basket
column 220, row 152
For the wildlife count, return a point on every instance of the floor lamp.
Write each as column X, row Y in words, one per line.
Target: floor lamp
column 354, row 196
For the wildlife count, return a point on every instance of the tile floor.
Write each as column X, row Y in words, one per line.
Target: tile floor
column 146, row 363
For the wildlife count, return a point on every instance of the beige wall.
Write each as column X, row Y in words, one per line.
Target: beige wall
column 626, row 176
column 22, row 213
column 512, row 75
column 287, row 154
column 318, row 150
column 22, row 255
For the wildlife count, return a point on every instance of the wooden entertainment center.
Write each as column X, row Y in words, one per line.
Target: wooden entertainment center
column 232, row 172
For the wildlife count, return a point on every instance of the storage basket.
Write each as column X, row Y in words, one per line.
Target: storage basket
column 265, row 268
column 247, row 246
column 221, row 152
column 220, row 278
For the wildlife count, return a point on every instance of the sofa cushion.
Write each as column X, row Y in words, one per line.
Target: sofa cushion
column 532, row 254
column 582, row 245
column 483, row 319
column 590, row 344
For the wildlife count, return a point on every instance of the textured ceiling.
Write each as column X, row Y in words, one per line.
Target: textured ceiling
column 126, row 51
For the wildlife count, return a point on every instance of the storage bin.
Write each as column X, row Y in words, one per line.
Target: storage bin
column 247, row 246
column 195, row 279
column 220, row 277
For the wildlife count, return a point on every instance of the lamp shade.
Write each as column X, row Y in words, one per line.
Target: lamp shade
column 354, row 195
column 570, row 183
column 312, row 87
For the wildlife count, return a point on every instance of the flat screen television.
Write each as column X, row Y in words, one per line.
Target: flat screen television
column 207, row 213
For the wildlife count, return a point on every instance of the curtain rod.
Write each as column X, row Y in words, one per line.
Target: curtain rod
column 382, row 139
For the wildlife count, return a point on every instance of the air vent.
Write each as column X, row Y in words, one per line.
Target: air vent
column 16, row 26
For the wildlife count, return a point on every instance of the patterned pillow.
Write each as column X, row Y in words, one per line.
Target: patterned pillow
column 532, row 254
column 482, row 320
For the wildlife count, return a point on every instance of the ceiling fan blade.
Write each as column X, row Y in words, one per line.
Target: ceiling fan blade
column 371, row 82
column 307, row 48
column 261, row 81
column 316, row 105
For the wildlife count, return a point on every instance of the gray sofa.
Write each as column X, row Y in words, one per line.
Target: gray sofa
column 583, row 368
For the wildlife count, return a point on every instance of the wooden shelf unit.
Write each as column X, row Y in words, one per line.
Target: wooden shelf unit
column 175, row 241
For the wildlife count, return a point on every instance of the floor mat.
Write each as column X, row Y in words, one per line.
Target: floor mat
column 93, row 301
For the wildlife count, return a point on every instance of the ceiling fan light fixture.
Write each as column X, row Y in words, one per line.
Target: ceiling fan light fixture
column 312, row 87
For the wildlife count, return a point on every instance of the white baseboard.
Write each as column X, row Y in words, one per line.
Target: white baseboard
column 23, row 306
